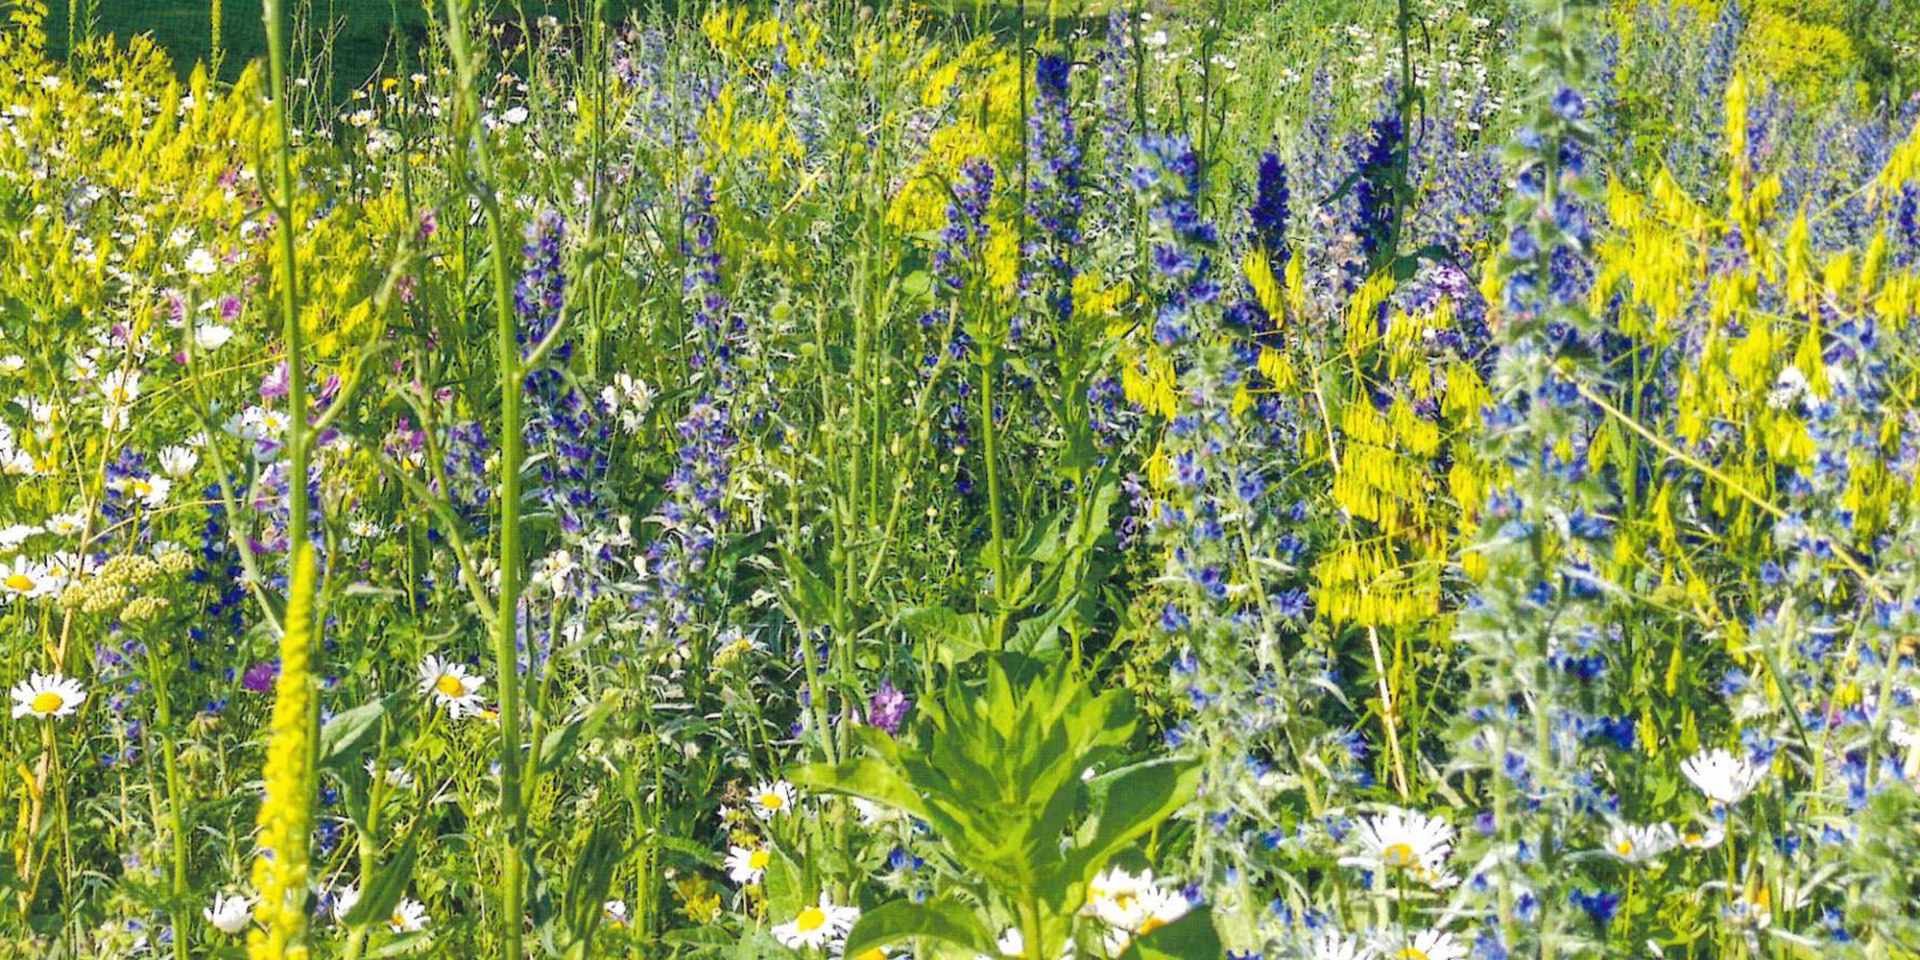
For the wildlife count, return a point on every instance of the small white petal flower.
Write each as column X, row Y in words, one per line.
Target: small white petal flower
column 816, row 926
column 1422, row 945
column 1638, row 844
column 212, row 336
column 47, row 696
column 178, row 461
column 229, row 914
column 150, row 490
column 771, row 799
column 451, row 686
column 24, row 579
column 409, row 916
column 201, row 263
column 1723, row 777
column 747, row 864
column 1704, row 837
column 344, row 900
column 66, row 524
column 1333, row 945
column 616, row 911
column 1407, row 842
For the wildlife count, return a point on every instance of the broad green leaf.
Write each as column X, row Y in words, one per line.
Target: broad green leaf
column 943, row 919
column 559, row 742
column 955, row 636
column 1130, row 802
column 377, row 900
column 344, row 737
column 1192, row 937
column 864, row 777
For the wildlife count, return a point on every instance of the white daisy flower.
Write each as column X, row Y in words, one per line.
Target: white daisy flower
column 397, row 776
column 66, row 524
column 151, row 491
column 229, row 914
column 1723, row 777
column 15, row 534
column 1406, row 841
column 409, row 916
column 201, row 263
column 747, row 864
column 1702, row 837
column 1155, row 907
column 816, row 926
column 344, row 900
column 1132, row 904
column 25, row 579
column 212, row 336
column 178, row 461
column 47, row 695
column 630, row 398
column 771, row 799
column 1333, row 945
column 1639, row 844
column 1424, row 945
column 120, row 389
column 616, row 911
column 1012, row 943
column 451, row 686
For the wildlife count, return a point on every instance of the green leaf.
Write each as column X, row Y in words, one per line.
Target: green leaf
column 559, row 742
column 385, row 888
column 349, row 732
column 955, row 636
column 1132, row 801
column 944, row 919
column 401, row 945
column 866, row 777
column 1192, row 937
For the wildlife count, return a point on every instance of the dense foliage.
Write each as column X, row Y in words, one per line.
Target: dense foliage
column 1401, row 481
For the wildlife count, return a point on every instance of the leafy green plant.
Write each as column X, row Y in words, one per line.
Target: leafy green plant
column 1007, row 775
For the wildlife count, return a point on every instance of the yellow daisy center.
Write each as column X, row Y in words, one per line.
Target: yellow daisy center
column 757, row 860
column 140, row 487
column 772, row 801
column 46, row 701
column 1411, row 953
column 1623, row 848
column 1397, row 855
column 1151, row 924
column 450, row 686
column 875, row 953
column 19, row 581
column 398, row 919
column 809, row 919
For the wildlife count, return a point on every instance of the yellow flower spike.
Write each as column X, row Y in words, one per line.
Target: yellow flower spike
column 1259, row 273
column 286, row 813
column 1903, row 167
column 1297, row 287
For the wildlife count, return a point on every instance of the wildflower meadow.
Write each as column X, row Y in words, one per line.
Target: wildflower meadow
column 937, row 479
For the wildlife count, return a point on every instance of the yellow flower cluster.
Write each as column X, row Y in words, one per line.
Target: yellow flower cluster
column 286, row 815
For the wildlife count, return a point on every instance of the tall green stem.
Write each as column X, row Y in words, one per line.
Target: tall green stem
column 480, row 183
column 176, row 806
column 273, row 16
column 991, row 453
